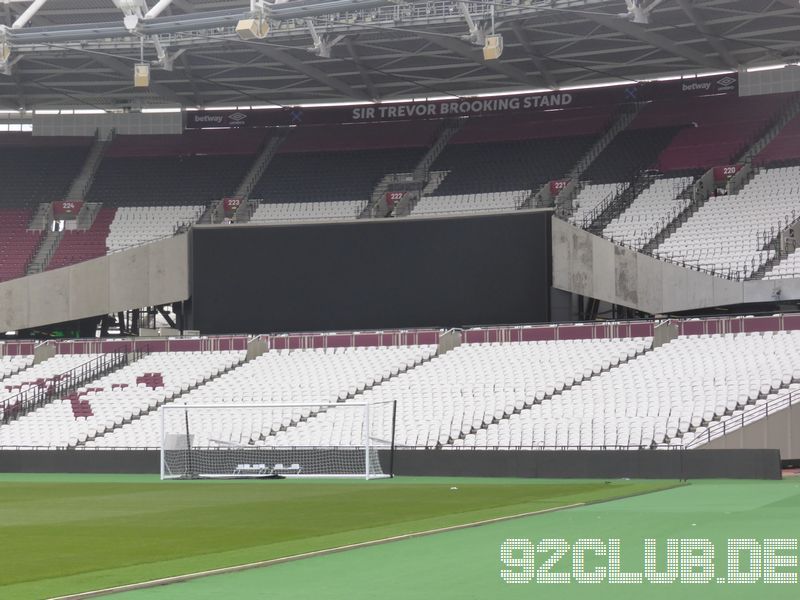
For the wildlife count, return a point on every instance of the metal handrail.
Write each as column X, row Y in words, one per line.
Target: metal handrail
column 51, row 388
column 760, row 411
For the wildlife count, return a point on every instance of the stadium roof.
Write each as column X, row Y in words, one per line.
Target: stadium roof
column 78, row 53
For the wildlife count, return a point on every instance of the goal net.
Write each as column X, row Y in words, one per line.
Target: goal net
column 231, row 441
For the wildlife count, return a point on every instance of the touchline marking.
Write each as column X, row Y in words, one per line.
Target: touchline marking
column 276, row 561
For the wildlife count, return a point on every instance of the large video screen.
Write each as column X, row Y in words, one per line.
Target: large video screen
column 373, row 274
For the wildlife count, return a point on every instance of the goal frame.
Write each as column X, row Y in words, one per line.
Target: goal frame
column 368, row 447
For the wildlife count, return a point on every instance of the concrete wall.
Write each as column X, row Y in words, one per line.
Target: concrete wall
column 152, row 274
column 610, row 464
column 780, row 430
column 592, row 266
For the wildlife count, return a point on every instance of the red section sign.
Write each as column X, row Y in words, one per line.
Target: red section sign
column 66, row 208
column 231, row 205
column 393, row 197
column 722, row 174
column 557, row 185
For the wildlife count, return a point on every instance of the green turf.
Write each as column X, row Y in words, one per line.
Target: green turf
column 65, row 534
column 465, row 564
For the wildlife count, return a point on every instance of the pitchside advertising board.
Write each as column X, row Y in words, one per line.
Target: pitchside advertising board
column 472, row 107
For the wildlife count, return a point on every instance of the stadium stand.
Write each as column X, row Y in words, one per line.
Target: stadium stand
column 39, row 375
column 17, row 244
column 495, row 163
column 38, row 169
column 133, row 225
column 656, row 206
column 728, row 233
column 630, row 152
column 269, row 212
column 590, row 197
column 79, row 245
column 129, row 393
column 191, row 169
column 470, row 203
column 475, row 384
column 715, row 130
column 9, row 365
column 282, row 377
column 667, row 396
column 338, row 163
column 785, row 148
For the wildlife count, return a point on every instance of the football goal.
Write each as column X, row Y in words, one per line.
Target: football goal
column 240, row 441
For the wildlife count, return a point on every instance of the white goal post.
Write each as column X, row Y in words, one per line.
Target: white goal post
column 246, row 441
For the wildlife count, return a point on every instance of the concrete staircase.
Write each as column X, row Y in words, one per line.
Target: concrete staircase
column 608, row 211
column 81, row 184
column 87, row 215
column 260, row 165
column 42, row 218
column 47, row 247
column 699, row 193
column 416, row 181
column 563, row 200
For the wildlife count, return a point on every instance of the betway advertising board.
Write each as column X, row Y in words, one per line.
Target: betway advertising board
column 463, row 107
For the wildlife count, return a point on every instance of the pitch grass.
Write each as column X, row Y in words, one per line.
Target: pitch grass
column 67, row 534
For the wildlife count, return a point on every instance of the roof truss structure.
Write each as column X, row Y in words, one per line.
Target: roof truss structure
column 78, row 53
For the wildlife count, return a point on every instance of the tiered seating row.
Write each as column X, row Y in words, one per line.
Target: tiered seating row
column 727, row 233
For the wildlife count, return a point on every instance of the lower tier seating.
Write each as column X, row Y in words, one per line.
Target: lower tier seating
column 593, row 393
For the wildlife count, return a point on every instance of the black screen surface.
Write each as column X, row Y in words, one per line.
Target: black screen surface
column 377, row 274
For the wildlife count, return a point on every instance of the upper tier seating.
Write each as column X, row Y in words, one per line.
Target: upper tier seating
column 727, row 233
column 331, row 176
column 715, row 130
column 37, row 170
column 470, row 203
column 17, row 244
column 592, row 196
column 482, row 168
column 137, row 225
column 281, row 377
column 629, row 153
column 287, row 212
column 167, row 180
column 77, row 246
column 105, row 403
column 785, row 147
column 649, row 212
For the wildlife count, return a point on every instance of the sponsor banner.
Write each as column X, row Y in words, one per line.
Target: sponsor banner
column 722, row 174
column 231, row 204
column 66, row 208
column 557, row 185
column 393, row 197
column 472, row 107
